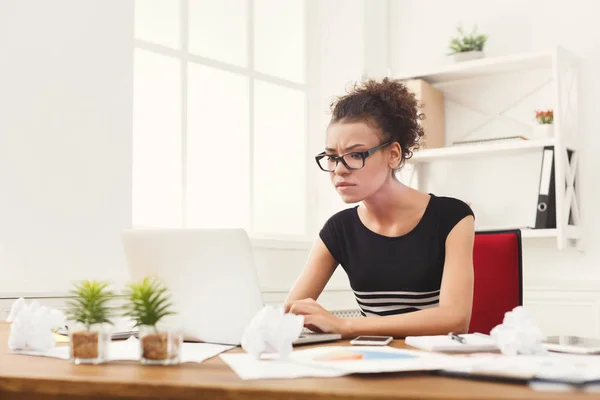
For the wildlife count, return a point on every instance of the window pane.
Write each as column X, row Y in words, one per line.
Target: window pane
column 156, row 141
column 157, row 21
column 279, row 38
column 218, row 30
column 279, row 160
column 218, row 178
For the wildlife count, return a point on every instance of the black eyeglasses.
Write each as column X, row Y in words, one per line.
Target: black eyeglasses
column 352, row 161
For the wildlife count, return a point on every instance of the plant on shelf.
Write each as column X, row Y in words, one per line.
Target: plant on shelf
column 467, row 46
column 148, row 303
column 89, row 309
column 544, row 128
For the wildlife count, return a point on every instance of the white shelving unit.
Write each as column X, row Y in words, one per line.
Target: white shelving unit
column 485, row 67
column 563, row 68
column 479, row 150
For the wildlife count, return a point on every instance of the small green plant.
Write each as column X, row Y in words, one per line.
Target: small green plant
column 467, row 42
column 148, row 302
column 89, row 304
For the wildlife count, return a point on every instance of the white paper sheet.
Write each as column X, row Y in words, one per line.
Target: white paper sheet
column 474, row 342
column 190, row 352
column 551, row 387
column 119, row 351
column 248, row 367
column 129, row 350
column 374, row 359
column 561, row 368
column 337, row 361
column 124, row 350
column 198, row 352
column 61, row 352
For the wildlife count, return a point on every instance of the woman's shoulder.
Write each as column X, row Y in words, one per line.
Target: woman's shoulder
column 449, row 211
column 343, row 216
column 451, row 204
column 334, row 232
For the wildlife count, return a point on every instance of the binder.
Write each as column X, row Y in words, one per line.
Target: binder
column 545, row 217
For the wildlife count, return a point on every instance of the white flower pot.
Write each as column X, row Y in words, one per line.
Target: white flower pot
column 543, row 131
column 468, row 55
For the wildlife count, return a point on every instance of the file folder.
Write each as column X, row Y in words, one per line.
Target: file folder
column 545, row 217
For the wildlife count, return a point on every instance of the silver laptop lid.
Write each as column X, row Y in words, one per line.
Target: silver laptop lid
column 209, row 272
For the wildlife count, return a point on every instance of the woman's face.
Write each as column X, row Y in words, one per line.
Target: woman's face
column 356, row 185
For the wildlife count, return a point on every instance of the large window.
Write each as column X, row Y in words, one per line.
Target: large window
column 220, row 98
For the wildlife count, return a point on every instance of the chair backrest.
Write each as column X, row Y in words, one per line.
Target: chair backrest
column 498, row 286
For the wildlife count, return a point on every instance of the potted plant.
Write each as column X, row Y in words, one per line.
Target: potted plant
column 148, row 303
column 544, row 127
column 89, row 336
column 467, row 46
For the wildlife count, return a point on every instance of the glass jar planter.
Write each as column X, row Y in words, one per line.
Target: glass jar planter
column 160, row 345
column 89, row 345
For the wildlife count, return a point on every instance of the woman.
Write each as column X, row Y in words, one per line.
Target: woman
column 407, row 254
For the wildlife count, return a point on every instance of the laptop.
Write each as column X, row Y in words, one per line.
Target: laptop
column 211, row 276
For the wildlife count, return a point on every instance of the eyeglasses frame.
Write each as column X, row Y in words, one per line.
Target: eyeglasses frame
column 364, row 154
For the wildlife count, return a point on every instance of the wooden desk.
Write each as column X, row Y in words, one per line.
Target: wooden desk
column 26, row 377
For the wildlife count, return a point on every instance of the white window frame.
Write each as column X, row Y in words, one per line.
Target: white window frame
column 183, row 55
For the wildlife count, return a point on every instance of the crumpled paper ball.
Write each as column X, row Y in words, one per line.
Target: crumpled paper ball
column 518, row 334
column 272, row 331
column 32, row 325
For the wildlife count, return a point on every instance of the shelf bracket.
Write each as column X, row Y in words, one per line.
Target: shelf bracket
column 571, row 206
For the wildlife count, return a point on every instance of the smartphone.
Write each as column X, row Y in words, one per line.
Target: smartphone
column 371, row 340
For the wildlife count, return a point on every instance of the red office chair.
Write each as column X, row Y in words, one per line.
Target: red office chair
column 498, row 286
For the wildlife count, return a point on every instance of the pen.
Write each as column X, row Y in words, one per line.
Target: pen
column 457, row 338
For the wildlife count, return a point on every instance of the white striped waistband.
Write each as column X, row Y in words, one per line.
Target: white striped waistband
column 401, row 293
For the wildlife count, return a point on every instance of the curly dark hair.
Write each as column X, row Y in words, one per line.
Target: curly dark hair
column 386, row 105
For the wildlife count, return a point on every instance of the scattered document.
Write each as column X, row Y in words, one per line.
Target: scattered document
column 129, row 350
column 198, row 352
column 60, row 338
column 248, row 367
column 122, row 328
column 374, row 359
column 549, row 368
column 61, row 352
column 124, row 350
column 474, row 342
column 337, row 361
column 551, row 387
column 190, row 352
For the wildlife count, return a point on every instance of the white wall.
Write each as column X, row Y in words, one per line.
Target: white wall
column 348, row 39
column 65, row 141
column 66, row 79
column 419, row 36
column 336, row 59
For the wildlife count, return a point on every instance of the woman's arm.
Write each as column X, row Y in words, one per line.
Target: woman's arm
column 315, row 275
column 452, row 315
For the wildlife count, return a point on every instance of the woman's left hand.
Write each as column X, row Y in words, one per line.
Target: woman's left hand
column 318, row 319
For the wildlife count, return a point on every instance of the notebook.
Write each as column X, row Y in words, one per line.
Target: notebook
column 473, row 342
